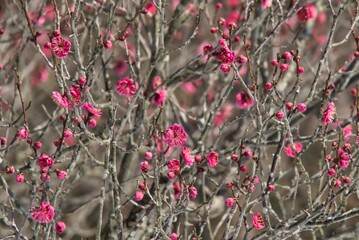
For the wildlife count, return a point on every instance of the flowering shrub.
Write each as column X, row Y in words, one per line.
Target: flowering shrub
column 154, row 119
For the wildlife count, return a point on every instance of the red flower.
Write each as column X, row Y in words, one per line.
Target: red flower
column 329, row 113
column 45, row 161
column 258, row 222
column 225, row 55
column 212, row 159
column 44, row 213
column 126, row 87
column 175, row 136
column 289, row 151
column 174, row 165
column 95, row 112
column 62, row 100
column 60, row 46
column 192, row 192
column 177, row 189
column 187, row 156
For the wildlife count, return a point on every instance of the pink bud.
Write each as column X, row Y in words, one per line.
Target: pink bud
column 107, row 44
column 337, row 183
column 192, row 192
column 241, row 59
column 92, row 123
column 68, row 133
column 280, row 115
column 22, row 133
column 171, row 175
column 173, row 236
column 60, row 227
column 289, row 106
column 300, row 70
column 144, row 166
column 248, row 153
column 230, row 202
column 255, row 180
column 198, row 158
column 56, row 33
column 142, row 186
column 20, row 178
column 302, row 107
column 331, row 172
column 148, row 155
column 274, row 62
column 234, row 157
column 243, row 169
column 214, row 29
column 82, row 81
column 47, row 45
column 271, row 188
column 222, row 42
column 37, row 145
column 225, row 67
column 139, row 196
column 346, row 180
column 3, row 141
column 268, row 86
column 61, row 174
column 218, row 7
column 287, row 56
column 284, row 67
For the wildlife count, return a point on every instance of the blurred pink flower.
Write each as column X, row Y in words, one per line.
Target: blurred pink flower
column 160, row 97
column 266, row 3
column 233, row 3
column 121, row 67
column 40, row 76
column 225, row 112
column 243, row 100
column 189, row 87
column 308, row 12
column 233, row 17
